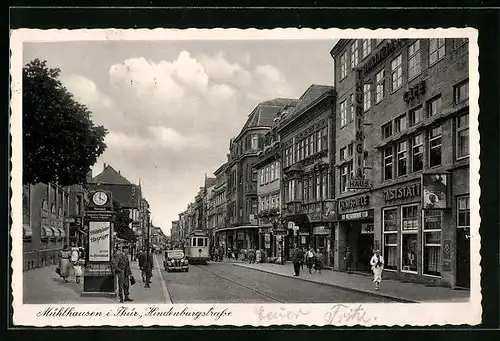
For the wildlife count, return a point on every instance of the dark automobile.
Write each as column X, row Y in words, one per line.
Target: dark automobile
column 175, row 260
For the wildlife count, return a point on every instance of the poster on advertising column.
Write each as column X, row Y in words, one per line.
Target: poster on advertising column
column 99, row 241
column 435, row 191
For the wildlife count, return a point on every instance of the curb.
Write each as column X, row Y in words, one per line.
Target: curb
column 366, row 292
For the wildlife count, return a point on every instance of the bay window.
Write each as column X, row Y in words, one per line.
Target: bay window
column 433, row 221
column 390, row 231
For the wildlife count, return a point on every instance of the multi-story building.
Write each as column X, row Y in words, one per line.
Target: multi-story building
column 307, row 145
column 175, row 237
column 402, row 145
column 271, row 229
column 208, row 208
column 158, row 238
column 241, row 191
column 219, row 204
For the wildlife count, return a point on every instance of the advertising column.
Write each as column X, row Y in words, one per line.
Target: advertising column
column 98, row 277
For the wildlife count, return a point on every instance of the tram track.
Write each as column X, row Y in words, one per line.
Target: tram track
column 269, row 297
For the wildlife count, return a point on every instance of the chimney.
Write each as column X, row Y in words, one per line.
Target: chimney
column 105, row 165
column 119, row 172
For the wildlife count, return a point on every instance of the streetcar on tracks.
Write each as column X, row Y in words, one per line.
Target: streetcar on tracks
column 197, row 247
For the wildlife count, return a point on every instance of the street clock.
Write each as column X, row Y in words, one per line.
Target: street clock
column 100, row 198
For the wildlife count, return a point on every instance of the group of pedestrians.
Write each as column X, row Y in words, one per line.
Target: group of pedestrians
column 312, row 259
column 71, row 258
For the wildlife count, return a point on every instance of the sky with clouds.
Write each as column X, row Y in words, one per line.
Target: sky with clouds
column 172, row 106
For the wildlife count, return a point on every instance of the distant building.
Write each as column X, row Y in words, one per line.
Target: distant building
column 220, row 205
column 175, row 234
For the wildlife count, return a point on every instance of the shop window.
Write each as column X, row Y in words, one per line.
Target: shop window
column 380, row 86
column 402, row 158
column 390, row 229
column 433, row 221
column 434, row 106
column 416, row 116
column 388, row 163
column 418, row 152
column 354, row 54
column 343, row 113
column 463, row 212
column 397, row 73
column 367, row 96
column 367, row 47
column 435, row 147
column 437, row 50
column 387, row 130
column 463, row 136
column 414, row 60
column 343, row 65
column 409, row 250
column 461, row 91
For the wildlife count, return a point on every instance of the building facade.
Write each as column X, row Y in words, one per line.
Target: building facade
column 241, row 191
column 219, row 205
column 402, row 136
column 175, row 236
column 307, row 151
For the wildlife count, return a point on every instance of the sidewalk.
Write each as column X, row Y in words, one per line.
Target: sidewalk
column 392, row 289
column 44, row 286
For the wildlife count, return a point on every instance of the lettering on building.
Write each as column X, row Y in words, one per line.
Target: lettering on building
column 414, row 92
column 357, row 215
column 402, row 192
column 358, row 126
column 350, row 204
column 382, row 54
column 358, row 183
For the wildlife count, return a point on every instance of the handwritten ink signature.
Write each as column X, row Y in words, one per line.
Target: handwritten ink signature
column 281, row 314
column 341, row 313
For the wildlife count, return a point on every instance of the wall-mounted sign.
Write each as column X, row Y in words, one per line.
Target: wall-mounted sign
column 367, row 228
column 359, row 183
column 321, row 230
column 382, row 54
column 435, row 193
column 357, row 215
column 354, row 203
column 99, row 241
column 414, row 92
column 401, row 192
column 358, row 126
column 329, row 210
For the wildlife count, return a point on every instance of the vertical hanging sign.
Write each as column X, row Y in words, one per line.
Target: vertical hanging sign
column 358, row 126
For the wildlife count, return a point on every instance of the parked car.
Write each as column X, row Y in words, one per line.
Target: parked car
column 175, row 260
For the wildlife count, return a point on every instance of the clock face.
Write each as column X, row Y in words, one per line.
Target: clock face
column 100, row 198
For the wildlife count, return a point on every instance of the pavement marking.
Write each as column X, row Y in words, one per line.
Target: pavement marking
column 164, row 288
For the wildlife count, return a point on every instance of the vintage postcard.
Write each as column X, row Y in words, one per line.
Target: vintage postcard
column 245, row 177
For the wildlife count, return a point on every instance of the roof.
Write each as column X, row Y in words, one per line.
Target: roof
column 209, row 182
column 264, row 113
column 110, row 176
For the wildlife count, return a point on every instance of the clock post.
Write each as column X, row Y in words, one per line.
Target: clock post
column 99, row 279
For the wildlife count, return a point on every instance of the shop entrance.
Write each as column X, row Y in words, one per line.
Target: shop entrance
column 365, row 251
column 360, row 240
column 463, row 257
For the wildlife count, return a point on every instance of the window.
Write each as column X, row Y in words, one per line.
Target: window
column 351, row 109
column 463, row 136
column 318, row 187
column 343, row 153
column 354, row 54
column 367, row 97
column 416, row 116
column 461, row 92
column 343, row 65
column 388, row 163
column 255, row 142
column 387, row 130
column 311, row 188
column 432, row 242
column 306, row 147
column 273, row 172
column 414, row 60
column 350, row 149
column 367, row 47
column 305, row 189
column 324, row 184
column 343, row 113
column 457, row 42
column 262, row 176
column 434, row 106
column 380, row 87
column 390, row 225
column 291, row 190
column 418, row 152
column 401, row 123
column 397, row 72
column 409, row 230
column 436, row 49
column 402, row 158
column 435, row 146
column 345, row 171
column 463, row 211
column 324, row 138
column 409, row 218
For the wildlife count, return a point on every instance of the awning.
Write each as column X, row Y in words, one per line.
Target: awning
column 62, row 232
column 47, row 232
column 27, row 231
column 237, row 228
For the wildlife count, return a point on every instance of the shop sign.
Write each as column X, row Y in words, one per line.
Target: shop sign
column 292, row 226
column 354, row 203
column 402, row 192
column 357, row 215
column 280, row 232
column 414, row 92
column 382, row 54
column 359, row 183
column 321, row 230
column 435, row 194
column 99, row 241
column 359, row 124
column 367, row 228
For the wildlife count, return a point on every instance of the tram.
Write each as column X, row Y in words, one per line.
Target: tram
column 197, row 247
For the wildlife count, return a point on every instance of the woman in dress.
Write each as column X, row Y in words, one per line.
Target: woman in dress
column 64, row 263
column 377, row 264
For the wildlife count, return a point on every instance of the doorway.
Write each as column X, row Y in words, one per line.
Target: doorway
column 463, row 257
column 364, row 251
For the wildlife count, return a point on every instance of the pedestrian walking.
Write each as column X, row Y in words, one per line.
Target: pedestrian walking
column 310, row 259
column 147, row 268
column 251, row 256
column 348, row 259
column 318, row 261
column 302, row 257
column 75, row 262
column 296, row 257
column 64, row 263
column 141, row 257
column 377, row 264
column 121, row 266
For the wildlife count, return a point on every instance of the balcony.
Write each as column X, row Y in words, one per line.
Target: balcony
column 251, row 188
column 293, row 208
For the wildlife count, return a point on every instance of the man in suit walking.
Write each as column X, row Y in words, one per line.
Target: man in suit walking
column 121, row 267
column 146, row 264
